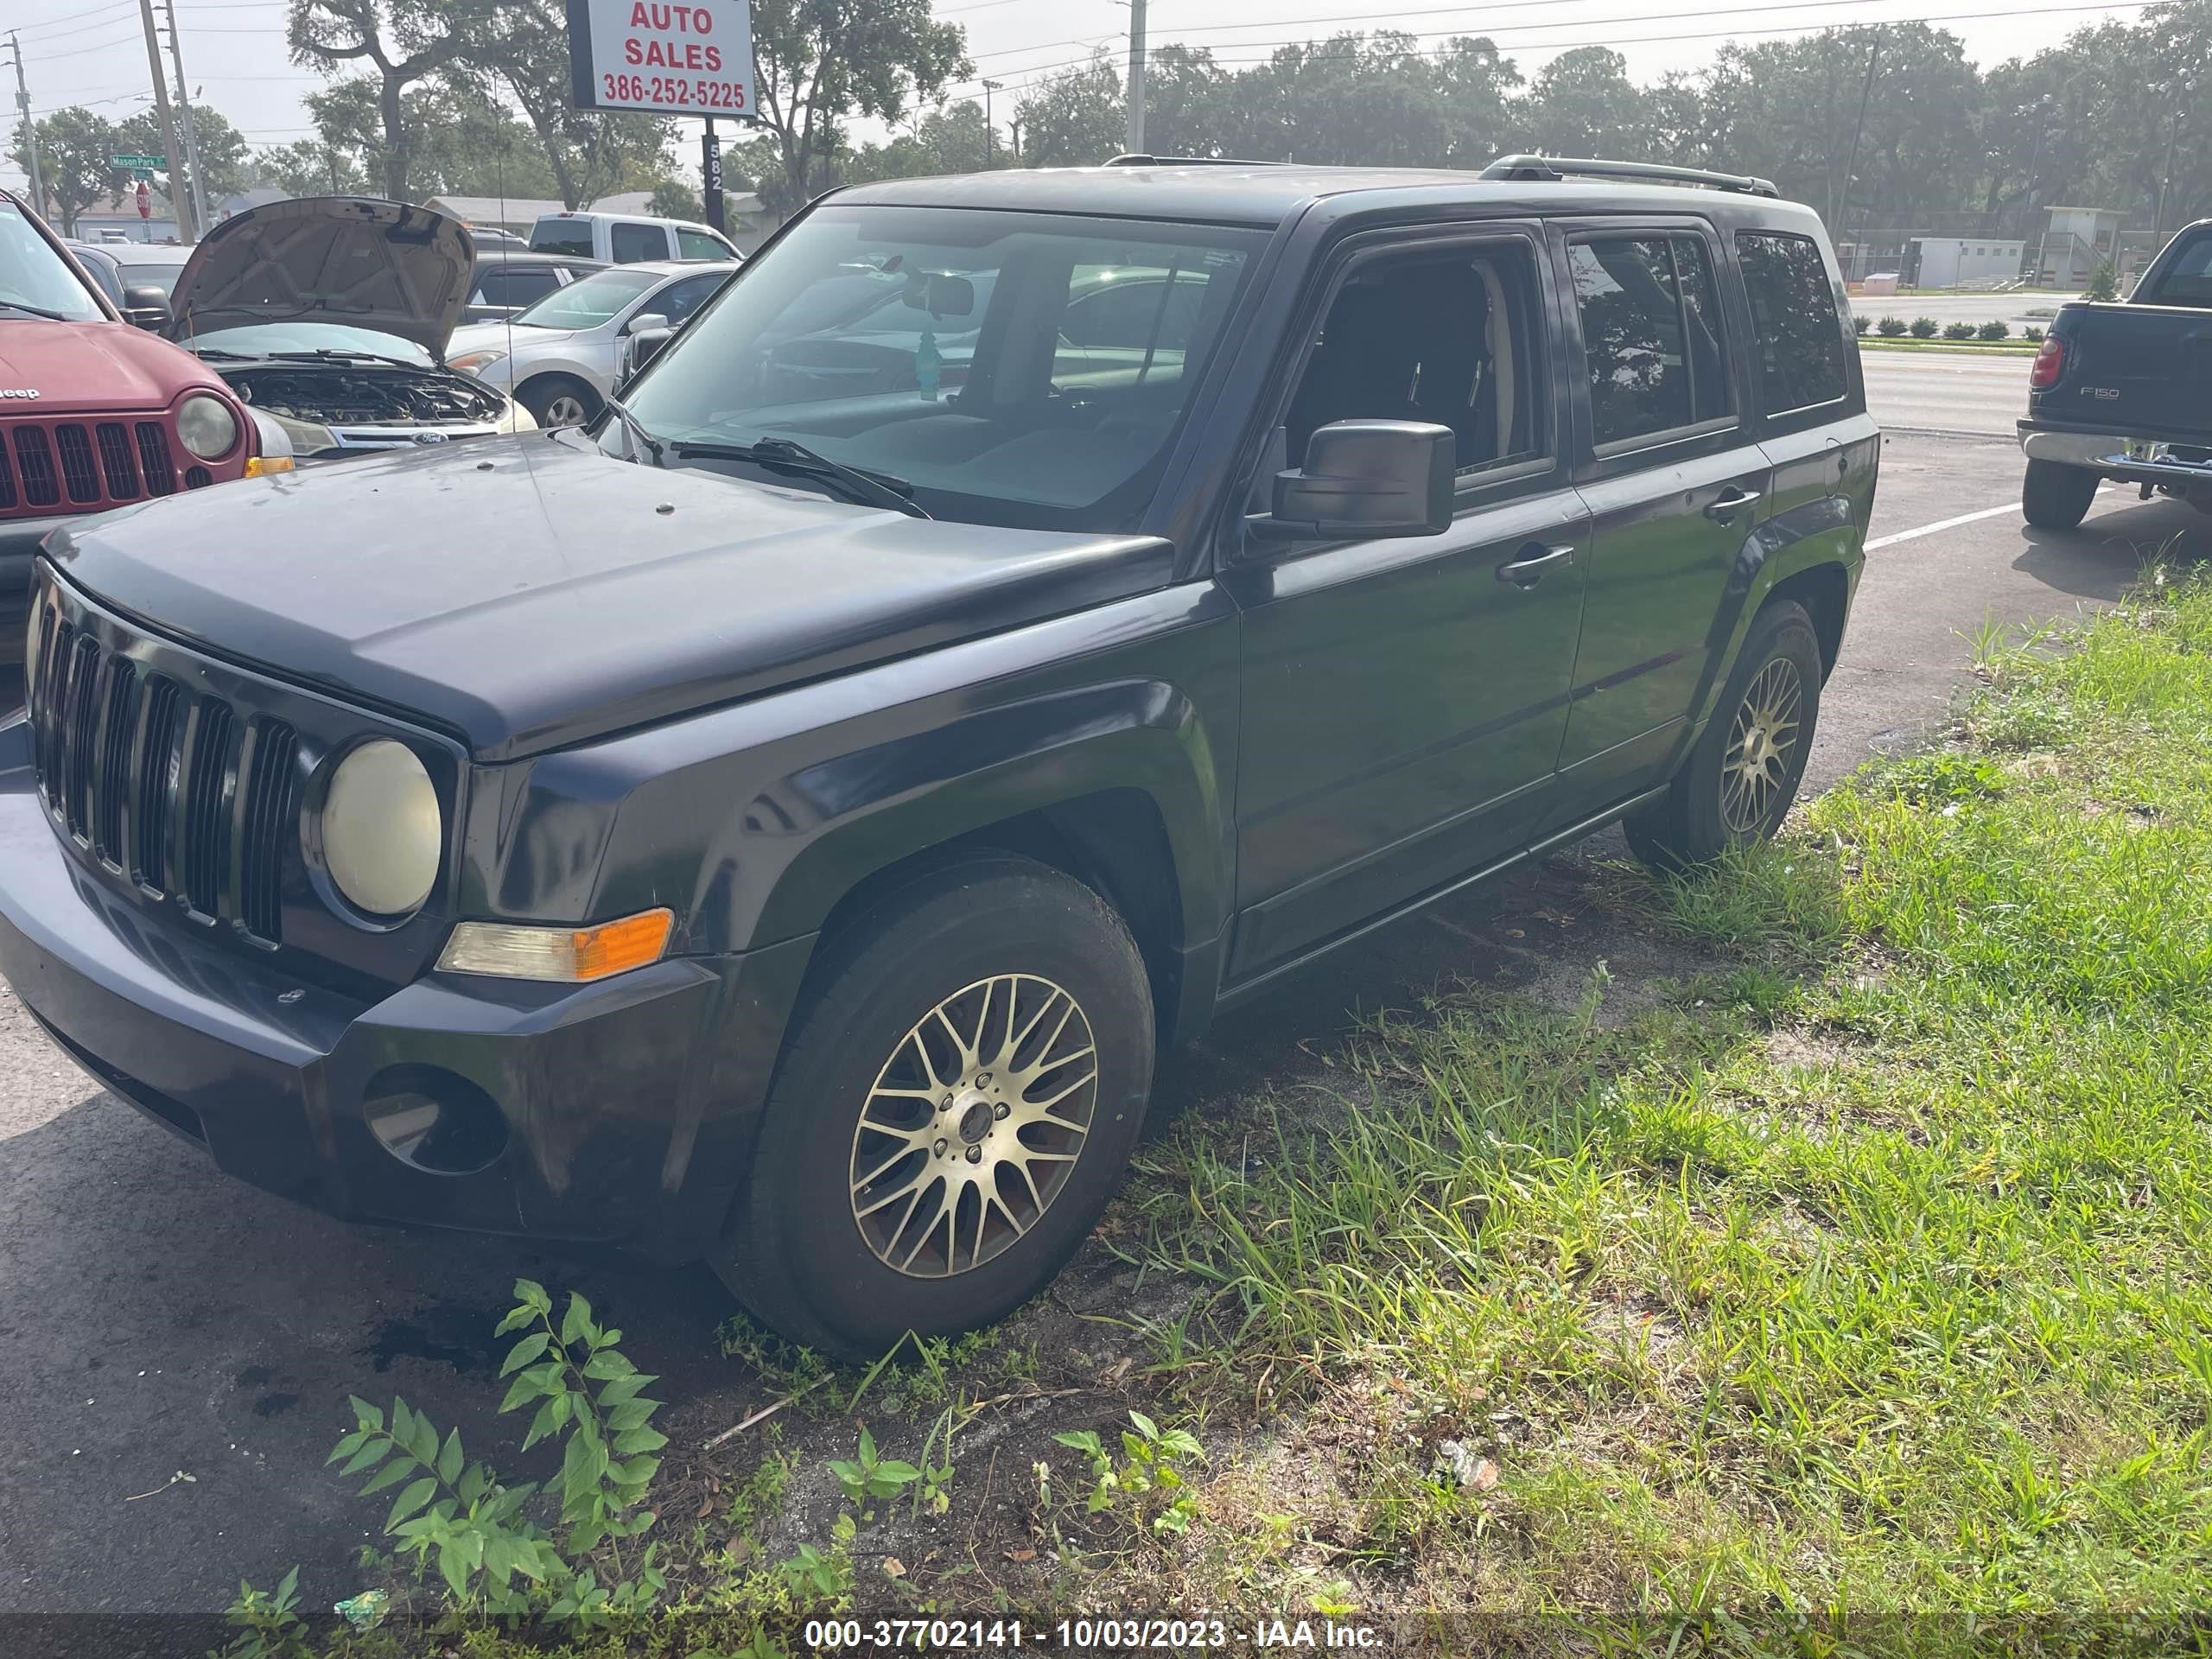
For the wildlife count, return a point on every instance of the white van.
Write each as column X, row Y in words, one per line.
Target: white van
column 625, row 239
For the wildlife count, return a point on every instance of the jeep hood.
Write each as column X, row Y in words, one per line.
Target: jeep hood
column 92, row 368
column 356, row 260
column 530, row 592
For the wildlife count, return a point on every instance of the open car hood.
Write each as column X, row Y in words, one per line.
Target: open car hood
column 356, row 260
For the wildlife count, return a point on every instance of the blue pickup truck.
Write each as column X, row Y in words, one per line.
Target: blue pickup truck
column 2124, row 391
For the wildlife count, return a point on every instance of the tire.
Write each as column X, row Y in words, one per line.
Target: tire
column 1714, row 803
column 559, row 400
column 992, row 948
column 2055, row 496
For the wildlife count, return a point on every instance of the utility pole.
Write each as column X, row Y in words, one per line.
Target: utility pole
column 30, row 132
column 184, row 220
column 1136, row 77
column 1873, row 55
column 191, row 133
column 710, row 176
column 989, row 87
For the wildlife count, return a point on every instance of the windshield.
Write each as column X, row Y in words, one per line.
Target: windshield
column 32, row 274
column 265, row 338
column 163, row 276
column 1020, row 369
column 2188, row 279
column 590, row 303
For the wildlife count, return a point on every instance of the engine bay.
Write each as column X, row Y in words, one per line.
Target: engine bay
column 351, row 395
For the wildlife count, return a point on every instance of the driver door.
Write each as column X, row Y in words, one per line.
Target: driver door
column 1405, row 700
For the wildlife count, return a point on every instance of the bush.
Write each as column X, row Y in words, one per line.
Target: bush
column 1923, row 327
column 1890, row 328
column 1995, row 331
column 1859, row 324
column 2032, row 333
column 1958, row 331
column 2104, row 283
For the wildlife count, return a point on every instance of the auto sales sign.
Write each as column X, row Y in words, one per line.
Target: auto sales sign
column 662, row 57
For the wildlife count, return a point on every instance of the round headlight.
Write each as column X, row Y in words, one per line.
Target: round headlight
column 382, row 831
column 206, row 426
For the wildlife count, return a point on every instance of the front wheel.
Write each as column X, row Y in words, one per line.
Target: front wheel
column 958, row 1103
column 2055, row 496
column 559, row 400
column 1736, row 785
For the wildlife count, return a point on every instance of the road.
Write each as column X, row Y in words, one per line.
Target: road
column 1946, row 391
column 158, row 1319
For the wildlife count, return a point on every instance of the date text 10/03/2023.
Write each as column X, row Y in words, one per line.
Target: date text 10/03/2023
column 1084, row 1635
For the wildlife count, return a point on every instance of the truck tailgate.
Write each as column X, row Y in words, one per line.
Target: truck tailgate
column 2145, row 369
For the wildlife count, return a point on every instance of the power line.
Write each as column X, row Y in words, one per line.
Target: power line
column 1042, row 69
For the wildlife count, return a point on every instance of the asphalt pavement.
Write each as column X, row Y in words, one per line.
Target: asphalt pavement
column 176, row 1349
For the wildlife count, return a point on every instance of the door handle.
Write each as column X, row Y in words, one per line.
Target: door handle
column 1729, row 502
column 1527, row 570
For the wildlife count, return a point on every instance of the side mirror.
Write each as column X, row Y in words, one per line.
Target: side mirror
column 644, row 337
column 1364, row 481
column 147, row 307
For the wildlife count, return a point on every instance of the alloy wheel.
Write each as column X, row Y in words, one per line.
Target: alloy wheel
column 565, row 409
column 973, row 1126
column 1763, row 742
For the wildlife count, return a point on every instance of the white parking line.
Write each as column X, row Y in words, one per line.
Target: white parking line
column 1880, row 542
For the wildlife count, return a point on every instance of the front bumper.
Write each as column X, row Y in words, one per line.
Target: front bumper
column 2134, row 459
column 628, row 1107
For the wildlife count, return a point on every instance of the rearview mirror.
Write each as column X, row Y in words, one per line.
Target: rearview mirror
column 1364, row 481
column 940, row 295
column 147, row 307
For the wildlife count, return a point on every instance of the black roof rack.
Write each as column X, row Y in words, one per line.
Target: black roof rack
column 1186, row 160
column 1551, row 170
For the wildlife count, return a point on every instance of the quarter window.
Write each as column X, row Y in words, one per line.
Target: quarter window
column 1794, row 311
column 702, row 245
column 1651, row 334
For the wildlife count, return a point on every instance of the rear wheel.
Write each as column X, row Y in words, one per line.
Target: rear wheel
column 559, row 400
column 1737, row 785
column 2055, row 496
column 956, row 1106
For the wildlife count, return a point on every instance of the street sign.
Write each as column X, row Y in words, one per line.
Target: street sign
column 690, row 59
column 145, row 202
column 136, row 163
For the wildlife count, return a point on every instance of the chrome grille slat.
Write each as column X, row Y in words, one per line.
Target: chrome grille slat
column 269, row 793
column 112, row 770
column 209, row 778
column 82, row 729
column 154, row 799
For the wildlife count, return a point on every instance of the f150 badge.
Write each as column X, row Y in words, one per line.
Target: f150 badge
column 2102, row 394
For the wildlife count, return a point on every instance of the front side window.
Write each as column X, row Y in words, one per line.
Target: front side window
column 701, row 245
column 679, row 300
column 1446, row 338
column 1651, row 334
column 588, row 303
column 632, row 243
column 1794, row 314
column 941, row 346
column 34, row 280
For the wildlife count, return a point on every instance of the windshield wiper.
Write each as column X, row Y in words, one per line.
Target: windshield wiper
column 330, row 354
column 40, row 311
column 636, row 429
column 216, row 351
column 782, row 456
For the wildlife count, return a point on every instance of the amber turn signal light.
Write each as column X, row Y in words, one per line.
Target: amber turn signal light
column 567, row 954
column 268, row 465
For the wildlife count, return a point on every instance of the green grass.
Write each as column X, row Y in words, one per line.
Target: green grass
column 1869, row 1282
column 1975, row 347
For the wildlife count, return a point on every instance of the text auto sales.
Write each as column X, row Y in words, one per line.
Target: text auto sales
column 650, row 52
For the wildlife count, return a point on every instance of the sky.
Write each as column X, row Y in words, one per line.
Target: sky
column 93, row 51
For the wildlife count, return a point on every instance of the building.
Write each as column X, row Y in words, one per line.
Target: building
column 244, row 200
column 2074, row 243
column 1964, row 261
column 516, row 213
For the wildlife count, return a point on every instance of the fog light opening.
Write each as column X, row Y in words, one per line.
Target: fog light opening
column 434, row 1121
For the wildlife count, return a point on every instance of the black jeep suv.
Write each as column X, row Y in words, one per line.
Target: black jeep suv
column 786, row 822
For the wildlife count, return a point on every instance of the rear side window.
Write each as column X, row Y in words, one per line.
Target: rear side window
column 568, row 236
column 516, row 285
column 1652, row 334
column 634, row 242
column 1793, row 309
column 701, row 245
